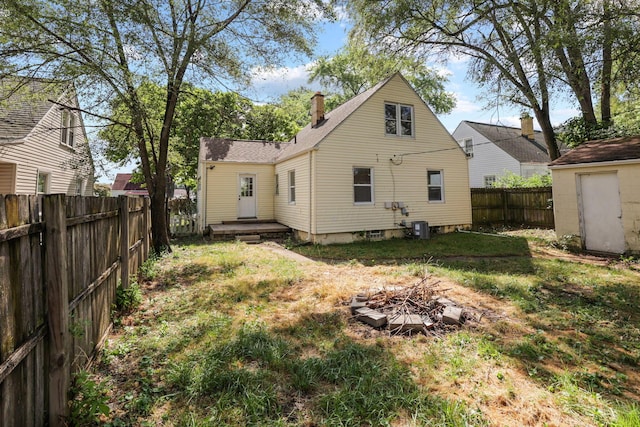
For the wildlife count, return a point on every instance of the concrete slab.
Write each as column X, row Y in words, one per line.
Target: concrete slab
column 355, row 305
column 371, row 317
column 406, row 322
column 452, row 315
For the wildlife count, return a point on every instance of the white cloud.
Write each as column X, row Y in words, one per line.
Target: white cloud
column 464, row 104
column 273, row 82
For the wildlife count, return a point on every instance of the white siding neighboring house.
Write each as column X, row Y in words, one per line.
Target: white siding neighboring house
column 368, row 168
column 43, row 146
column 493, row 150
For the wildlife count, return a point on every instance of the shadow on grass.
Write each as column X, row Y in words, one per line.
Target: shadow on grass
column 585, row 316
column 403, row 251
column 259, row 377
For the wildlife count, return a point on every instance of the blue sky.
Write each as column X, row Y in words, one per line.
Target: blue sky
column 268, row 85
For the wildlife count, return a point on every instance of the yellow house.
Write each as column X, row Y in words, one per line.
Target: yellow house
column 596, row 194
column 367, row 169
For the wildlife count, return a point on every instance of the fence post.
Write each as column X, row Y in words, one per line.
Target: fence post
column 124, row 241
column 56, row 280
column 145, row 228
column 505, row 206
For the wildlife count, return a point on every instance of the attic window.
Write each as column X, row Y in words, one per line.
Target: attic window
column 468, row 146
column 67, row 127
column 398, row 119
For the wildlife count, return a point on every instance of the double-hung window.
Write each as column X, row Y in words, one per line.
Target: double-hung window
column 398, row 119
column 435, row 186
column 292, row 187
column 489, row 181
column 467, row 144
column 42, row 183
column 362, row 185
column 67, row 128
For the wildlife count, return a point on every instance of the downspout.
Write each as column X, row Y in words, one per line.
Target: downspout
column 311, row 195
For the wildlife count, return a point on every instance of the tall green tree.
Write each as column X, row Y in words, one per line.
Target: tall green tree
column 357, row 67
column 110, row 48
column 524, row 52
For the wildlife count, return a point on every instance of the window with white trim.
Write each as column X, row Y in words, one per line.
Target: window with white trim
column 467, row 144
column 489, row 181
column 362, row 185
column 79, row 186
column 398, row 119
column 435, row 186
column 42, row 183
column 292, row 187
column 67, row 128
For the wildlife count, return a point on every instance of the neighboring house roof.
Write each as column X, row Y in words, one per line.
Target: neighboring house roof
column 510, row 140
column 23, row 104
column 604, row 150
column 243, row 151
column 123, row 183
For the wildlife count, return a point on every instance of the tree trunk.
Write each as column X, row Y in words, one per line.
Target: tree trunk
column 607, row 66
column 159, row 229
column 544, row 120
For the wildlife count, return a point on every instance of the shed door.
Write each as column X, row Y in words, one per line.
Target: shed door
column 246, row 196
column 600, row 212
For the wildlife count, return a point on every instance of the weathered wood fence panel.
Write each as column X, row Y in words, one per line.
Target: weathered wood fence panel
column 512, row 206
column 60, row 264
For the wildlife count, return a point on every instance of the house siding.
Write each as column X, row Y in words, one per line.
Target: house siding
column 42, row 150
column 565, row 200
column 296, row 216
column 361, row 142
column 488, row 159
column 221, row 189
column 7, row 178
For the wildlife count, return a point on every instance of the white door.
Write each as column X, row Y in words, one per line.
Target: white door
column 247, row 196
column 600, row 212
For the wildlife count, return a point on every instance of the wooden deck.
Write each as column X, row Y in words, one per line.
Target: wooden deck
column 229, row 230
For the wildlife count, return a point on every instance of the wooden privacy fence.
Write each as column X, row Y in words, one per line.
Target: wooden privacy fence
column 512, row 206
column 60, row 262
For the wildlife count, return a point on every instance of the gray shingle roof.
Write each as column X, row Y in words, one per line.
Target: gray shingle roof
column 244, row 151
column 604, row 150
column 510, row 140
column 21, row 109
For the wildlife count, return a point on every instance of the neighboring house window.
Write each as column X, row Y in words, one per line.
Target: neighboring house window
column 43, row 183
column 398, row 119
column 468, row 146
column 79, row 185
column 435, row 186
column 68, row 127
column 489, row 181
column 292, row 186
column 277, row 185
column 362, row 185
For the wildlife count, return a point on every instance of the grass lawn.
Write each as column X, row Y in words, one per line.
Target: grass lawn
column 229, row 334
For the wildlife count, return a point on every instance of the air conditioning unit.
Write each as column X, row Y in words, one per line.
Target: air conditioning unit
column 420, row 229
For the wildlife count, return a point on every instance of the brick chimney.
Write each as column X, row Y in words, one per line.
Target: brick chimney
column 526, row 126
column 317, row 109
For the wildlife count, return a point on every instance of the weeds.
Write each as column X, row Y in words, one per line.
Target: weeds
column 88, row 400
column 129, row 298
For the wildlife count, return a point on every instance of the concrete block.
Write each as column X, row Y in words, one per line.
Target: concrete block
column 248, row 238
column 361, row 297
column 371, row 317
column 406, row 322
column 452, row 315
column 355, row 304
column 444, row 301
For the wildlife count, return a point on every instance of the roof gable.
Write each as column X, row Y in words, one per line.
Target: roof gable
column 603, row 150
column 310, row 137
column 511, row 141
column 24, row 104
